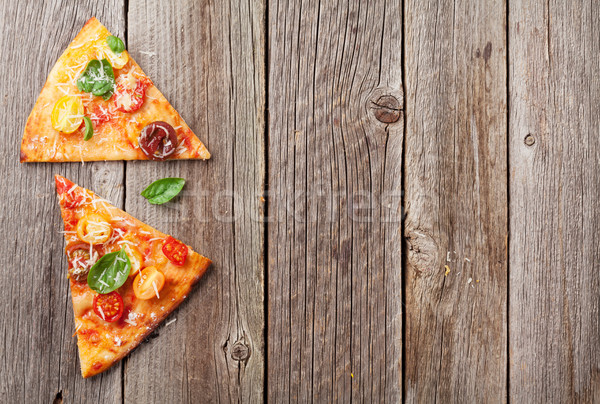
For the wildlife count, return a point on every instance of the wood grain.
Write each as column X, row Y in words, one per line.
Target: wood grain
column 456, row 201
column 334, row 238
column 554, row 250
column 39, row 354
column 208, row 60
column 343, row 153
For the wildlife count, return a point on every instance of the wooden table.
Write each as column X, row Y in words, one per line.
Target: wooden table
column 402, row 202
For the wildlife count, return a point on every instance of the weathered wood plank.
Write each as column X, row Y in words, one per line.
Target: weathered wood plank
column 208, row 60
column 334, row 238
column 456, row 201
column 554, row 247
column 39, row 354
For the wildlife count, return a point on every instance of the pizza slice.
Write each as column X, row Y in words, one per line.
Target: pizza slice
column 125, row 276
column 97, row 104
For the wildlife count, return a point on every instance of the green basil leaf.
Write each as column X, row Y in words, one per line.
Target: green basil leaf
column 89, row 129
column 85, row 84
column 106, row 96
column 101, row 88
column 98, row 78
column 115, row 44
column 163, row 190
column 110, row 272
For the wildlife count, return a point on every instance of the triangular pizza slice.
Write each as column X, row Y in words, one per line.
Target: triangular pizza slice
column 97, row 104
column 125, row 276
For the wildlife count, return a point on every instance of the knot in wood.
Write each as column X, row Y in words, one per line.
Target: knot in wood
column 422, row 251
column 529, row 140
column 240, row 351
column 387, row 109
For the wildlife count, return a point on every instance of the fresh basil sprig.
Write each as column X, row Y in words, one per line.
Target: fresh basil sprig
column 98, row 78
column 115, row 44
column 89, row 129
column 163, row 190
column 110, row 272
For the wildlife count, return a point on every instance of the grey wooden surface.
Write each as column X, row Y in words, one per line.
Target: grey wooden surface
column 334, row 256
column 554, row 89
column 456, row 201
column 358, row 149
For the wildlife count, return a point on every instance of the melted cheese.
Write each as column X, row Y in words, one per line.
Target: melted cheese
column 82, row 303
column 124, row 100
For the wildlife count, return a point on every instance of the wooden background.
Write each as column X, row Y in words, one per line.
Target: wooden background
column 401, row 204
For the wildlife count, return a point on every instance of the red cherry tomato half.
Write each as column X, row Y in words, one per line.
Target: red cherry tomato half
column 129, row 97
column 175, row 251
column 78, row 254
column 109, row 307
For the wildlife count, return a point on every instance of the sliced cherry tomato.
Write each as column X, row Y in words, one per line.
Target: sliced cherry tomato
column 135, row 258
column 129, row 95
column 79, row 260
column 118, row 61
column 109, row 307
column 148, row 283
column 93, row 229
column 67, row 114
column 175, row 251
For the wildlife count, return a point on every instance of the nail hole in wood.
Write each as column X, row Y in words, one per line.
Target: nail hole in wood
column 529, row 140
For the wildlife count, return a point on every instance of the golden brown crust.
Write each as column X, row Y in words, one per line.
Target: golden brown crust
column 100, row 343
column 115, row 139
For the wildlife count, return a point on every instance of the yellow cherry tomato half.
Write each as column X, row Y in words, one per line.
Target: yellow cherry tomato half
column 117, row 61
column 93, row 229
column 135, row 257
column 148, row 283
column 67, row 114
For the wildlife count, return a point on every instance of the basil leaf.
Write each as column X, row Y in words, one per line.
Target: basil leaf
column 98, row 78
column 89, row 129
column 101, row 88
column 106, row 96
column 110, row 272
column 163, row 190
column 115, row 44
